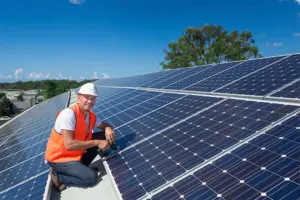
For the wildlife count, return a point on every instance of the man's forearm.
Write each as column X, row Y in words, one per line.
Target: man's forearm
column 81, row 145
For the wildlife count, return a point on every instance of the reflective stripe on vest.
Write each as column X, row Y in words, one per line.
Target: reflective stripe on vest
column 56, row 151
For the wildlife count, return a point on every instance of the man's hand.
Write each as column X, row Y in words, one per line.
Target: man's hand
column 110, row 135
column 102, row 144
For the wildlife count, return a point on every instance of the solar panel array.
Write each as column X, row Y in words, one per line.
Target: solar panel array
column 180, row 138
column 181, row 144
column 23, row 173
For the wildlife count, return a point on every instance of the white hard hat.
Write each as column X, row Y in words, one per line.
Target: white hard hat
column 88, row 88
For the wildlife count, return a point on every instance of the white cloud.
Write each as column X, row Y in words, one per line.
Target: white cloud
column 95, row 75
column 5, row 77
column 297, row 34
column 35, row 75
column 18, row 73
column 277, row 44
column 60, row 76
column 77, row 2
column 47, row 76
column 104, row 75
column 297, row 1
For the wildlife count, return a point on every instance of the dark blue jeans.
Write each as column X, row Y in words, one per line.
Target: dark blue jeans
column 77, row 173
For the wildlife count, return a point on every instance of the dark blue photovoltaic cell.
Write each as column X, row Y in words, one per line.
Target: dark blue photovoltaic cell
column 31, row 190
column 265, row 168
column 22, row 155
column 17, row 123
column 114, row 99
column 140, row 80
column 126, row 106
column 234, row 73
column 169, row 193
column 165, row 156
column 160, row 100
column 292, row 91
column 268, row 79
column 186, row 73
column 199, row 75
column 146, row 125
column 163, row 76
column 132, row 81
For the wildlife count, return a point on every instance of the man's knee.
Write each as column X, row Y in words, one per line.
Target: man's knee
column 91, row 179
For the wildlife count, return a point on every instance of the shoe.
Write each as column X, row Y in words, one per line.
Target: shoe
column 96, row 169
column 56, row 182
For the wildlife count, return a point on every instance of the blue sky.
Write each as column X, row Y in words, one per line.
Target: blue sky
column 78, row 39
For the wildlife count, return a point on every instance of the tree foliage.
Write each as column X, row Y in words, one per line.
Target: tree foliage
column 50, row 89
column 20, row 97
column 34, row 85
column 209, row 44
column 6, row 107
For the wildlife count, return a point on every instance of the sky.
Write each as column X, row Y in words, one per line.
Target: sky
column 84, row 39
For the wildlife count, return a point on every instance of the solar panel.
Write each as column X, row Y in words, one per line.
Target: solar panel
column 267, row 167
column 163, row 157
column 32, row 189
column 178, row 143
column 22, row 168
column 169, row 140
column 232, row 73
column 184, row 73
column 268, row 79
column 105, row 109
column 291, row 91
column 9, row 128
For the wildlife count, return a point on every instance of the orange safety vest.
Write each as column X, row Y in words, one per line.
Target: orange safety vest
column 56, row 151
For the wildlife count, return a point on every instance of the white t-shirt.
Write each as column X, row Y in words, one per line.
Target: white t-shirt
column 66, row 120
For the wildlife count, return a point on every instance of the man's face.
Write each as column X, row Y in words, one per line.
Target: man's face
column 86, row 102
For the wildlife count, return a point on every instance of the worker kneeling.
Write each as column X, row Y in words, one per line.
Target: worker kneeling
column 72, row 146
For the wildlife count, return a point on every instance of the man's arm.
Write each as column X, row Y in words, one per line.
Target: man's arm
column 104, row 125
column 72, row 144
column 109, row 133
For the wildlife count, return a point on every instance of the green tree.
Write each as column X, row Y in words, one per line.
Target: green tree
column 209, row 44
column 20, row 97
column 50, row 89
column 6, row 107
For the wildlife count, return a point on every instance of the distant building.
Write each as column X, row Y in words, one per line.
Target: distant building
column 20, row 106
column 30, row 94
column 13, row 94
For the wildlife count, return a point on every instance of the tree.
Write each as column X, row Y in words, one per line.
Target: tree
column 209, row 44
column 50, row 89
column 20, row 97
column 6, row 107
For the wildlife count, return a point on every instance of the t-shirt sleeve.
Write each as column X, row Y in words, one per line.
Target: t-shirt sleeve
column 67, row 120
column 98, row 122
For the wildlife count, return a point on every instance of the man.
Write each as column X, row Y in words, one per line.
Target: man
column 72, row 146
